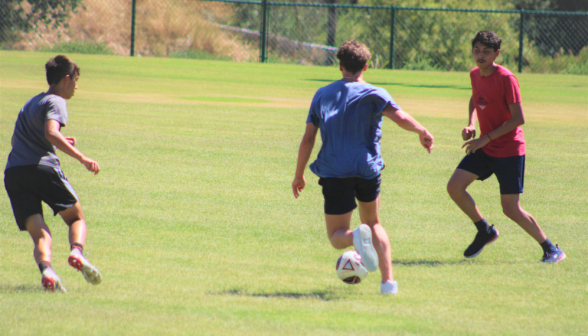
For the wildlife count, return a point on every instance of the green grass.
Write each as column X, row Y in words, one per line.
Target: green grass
column 227, row 99
column 194, row 227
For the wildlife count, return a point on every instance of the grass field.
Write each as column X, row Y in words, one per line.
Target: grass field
column 194, row 227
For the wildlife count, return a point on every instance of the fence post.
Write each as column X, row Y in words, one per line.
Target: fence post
column 263, row 33
column 521, row 37
column 133, row 27
column 392, row 33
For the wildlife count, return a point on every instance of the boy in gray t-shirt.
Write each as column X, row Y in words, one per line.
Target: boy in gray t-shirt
column 33, row 174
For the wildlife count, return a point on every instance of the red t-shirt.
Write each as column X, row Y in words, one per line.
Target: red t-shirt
column 491, row 96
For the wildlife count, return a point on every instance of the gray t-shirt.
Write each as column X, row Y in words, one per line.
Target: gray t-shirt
column 30, row 146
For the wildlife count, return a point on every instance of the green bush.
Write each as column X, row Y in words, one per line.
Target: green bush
column 78, row 47
column 423, row 64
column 560, row 62
column 197, row 54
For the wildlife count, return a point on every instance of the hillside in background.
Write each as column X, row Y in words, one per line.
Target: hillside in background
column 423, row 40
column 162, row 29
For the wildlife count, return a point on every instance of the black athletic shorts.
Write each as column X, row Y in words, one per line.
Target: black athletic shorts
column 340, row 193
column 510, row 171
column 28, row 186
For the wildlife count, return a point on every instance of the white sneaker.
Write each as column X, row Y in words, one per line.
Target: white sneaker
column 51, row 281
column 91, row 273
column 389, row 287
column 362, row 241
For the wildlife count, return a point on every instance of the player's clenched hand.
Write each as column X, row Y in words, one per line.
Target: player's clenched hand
column 473, row 145
column 468, row 133
column 297, row 185
column 426, row 140
column 90, row 164
column 71, row 140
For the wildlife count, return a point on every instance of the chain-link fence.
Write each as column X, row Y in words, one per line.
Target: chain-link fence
column 303, row 33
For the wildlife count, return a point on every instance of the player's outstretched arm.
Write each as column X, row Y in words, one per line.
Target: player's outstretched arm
column 407, row 122
column 304, row 152
column 53, row 134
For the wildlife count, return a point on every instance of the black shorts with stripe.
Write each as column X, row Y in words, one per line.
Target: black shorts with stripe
column 28, row 186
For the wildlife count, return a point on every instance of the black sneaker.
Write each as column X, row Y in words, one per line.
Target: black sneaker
column 554, row 256
column 482, row 239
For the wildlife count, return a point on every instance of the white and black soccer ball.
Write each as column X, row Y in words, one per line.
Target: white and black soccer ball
column 350, row 268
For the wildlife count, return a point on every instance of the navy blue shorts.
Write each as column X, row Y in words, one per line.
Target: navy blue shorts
column 28, row 186
column 510, row 171
column 340, row 193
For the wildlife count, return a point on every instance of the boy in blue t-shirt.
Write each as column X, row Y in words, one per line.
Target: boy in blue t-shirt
column 349, row 114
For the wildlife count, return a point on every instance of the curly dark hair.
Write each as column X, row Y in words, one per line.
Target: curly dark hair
column 353, row 55
column 487, row 38
column 58, row 67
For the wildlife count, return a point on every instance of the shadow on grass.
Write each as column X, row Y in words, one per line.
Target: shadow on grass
column 465, row 262
column 319, row 295
column 430, row 263
column 11, row 289
column 406, row 85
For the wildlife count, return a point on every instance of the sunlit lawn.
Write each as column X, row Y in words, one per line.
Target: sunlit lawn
column 194, row 227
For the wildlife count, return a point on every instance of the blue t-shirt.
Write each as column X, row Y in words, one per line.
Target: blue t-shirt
column 30, row 146
column 349, row 115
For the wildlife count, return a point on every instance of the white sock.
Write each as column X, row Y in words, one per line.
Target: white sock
column 389, row 287
column 76, row 251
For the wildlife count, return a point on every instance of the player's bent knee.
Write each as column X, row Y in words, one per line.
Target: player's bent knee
column 452, row 187
column 511, row 212
column 72, row 214
column 72, row 221
column 337, row 243
column 372, row 223
column 453, row 190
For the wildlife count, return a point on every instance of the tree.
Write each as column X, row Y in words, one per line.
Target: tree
column 18, row 16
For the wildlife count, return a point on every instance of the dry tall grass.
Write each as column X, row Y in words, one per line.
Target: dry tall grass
column 162, row 28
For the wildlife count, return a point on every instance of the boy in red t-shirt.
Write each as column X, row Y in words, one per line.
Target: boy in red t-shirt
column 500, row 149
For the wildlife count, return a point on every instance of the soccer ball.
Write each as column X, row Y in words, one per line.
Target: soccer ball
column 350, row 268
